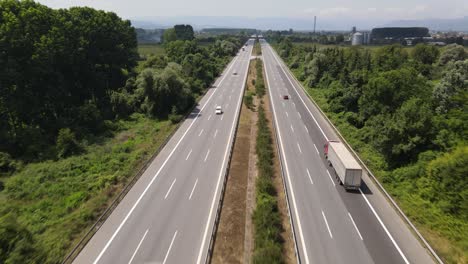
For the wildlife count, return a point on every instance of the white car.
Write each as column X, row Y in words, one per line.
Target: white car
column 218, row 110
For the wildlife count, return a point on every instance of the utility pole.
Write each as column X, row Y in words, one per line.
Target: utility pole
column 315, row 23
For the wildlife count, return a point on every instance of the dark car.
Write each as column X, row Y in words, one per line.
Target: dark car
column 285, row 97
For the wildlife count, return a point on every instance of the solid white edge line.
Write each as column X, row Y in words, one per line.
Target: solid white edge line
column 170, row 188
column 138, row 247
column 170, row 246
column 207, row 154
column 385, row 228
column 294, row 88
column 331, row 179
column 326, row 222
column 201, row 132
column 188, row 156
column 160, row 169
column 310, row 178
column 355, row 226
column 193, row 189
column 299, row 147
column 200, row 253
column 293, row 196
column 316, row 149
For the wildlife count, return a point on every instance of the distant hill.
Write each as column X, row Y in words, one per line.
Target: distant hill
column 456, row 24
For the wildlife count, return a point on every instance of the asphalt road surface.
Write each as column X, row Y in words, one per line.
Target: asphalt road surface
column 168, row 215
column 331, row 225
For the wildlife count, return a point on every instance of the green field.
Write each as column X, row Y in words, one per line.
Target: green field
column 150, row 49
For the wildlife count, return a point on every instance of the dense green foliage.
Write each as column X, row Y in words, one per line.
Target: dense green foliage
column 406, row 115
column 266, row 216
column 59, row 67
column 78, row 118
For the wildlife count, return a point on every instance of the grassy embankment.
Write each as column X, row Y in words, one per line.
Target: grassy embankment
column 445, row 233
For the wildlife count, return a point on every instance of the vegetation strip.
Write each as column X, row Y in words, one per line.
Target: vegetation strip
column 266, row 217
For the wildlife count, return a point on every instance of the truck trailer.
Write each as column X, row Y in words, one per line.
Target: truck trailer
column 347, row 169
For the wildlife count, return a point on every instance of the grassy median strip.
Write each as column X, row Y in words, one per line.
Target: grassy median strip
column 266, row 217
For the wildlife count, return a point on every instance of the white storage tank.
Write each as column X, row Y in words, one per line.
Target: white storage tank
column 358, row 39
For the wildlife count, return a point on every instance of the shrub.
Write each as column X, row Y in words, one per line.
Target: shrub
column 66, row 143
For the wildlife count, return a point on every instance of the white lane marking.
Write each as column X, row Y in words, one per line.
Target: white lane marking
column 138, row 247
column 299, row 115
column 293, row 196
column 310, row 178
column 354, row 224
column 170, row 246
column 205, row 234
column 216, row 133
column 209, row 117
column 188, row 154
column 282, row 103
column 222, row 116
column 227, row 105
column 294, row 88
column 331, row 179
column 306, row 128
column 201, row 132
column 326, row 222
column 299, row 147
column 157, row 173
column 287, row 114
column 292, row 128
column 316, row 149
column 193, row 189
column 385, row 228
column 207, row 154
column 170, row 188
column 230, row 98
column 294, row 104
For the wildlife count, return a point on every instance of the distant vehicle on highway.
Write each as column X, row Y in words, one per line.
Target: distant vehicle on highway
column 286, row 97
column 243, row 49
column 218, row 110
column 234, row 73
column 347, row 169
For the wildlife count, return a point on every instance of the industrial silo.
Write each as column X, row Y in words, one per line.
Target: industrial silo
column 358, row 39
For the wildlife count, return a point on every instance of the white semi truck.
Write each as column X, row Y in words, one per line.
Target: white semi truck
column 347, row 169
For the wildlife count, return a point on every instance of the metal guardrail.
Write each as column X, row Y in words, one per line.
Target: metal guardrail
column 103, row 217
column 374, row 179
column 226, row 173
column 291, row 220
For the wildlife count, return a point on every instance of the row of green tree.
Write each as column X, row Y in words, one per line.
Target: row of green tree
column 75, row 68
column 405, row 110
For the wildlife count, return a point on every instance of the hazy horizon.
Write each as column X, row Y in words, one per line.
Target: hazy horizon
column 262, row 14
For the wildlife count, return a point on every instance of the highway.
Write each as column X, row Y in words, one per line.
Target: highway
column 168, row 215
column 330, row 224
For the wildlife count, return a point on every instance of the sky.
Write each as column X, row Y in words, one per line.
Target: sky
column 356, row 11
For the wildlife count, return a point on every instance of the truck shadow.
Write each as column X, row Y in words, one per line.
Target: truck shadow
column 364, row 189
